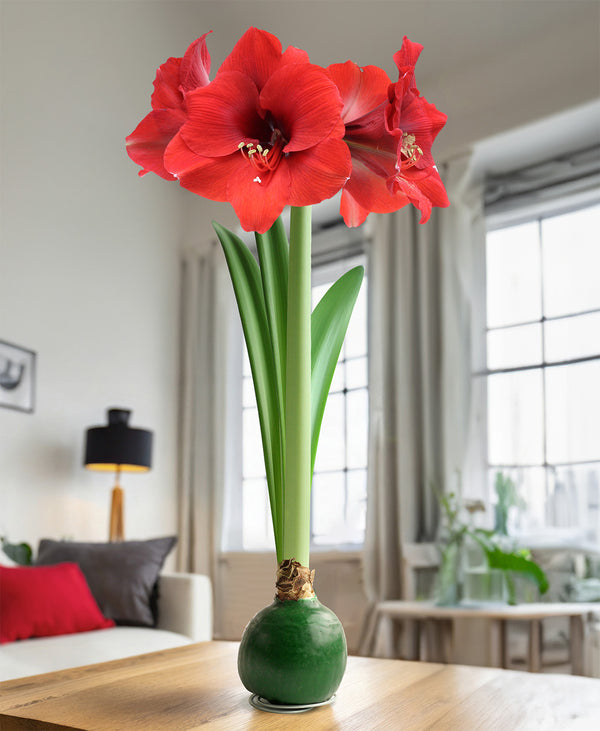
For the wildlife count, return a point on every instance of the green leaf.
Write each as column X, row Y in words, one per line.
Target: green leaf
column 498, row 559
column 329, row 323
column 20, row 553
column 273, row 255
column 247, row 285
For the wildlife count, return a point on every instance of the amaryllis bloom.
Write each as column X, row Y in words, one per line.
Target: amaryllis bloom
column 146, row 145
column 389, row 130
column 265, row 133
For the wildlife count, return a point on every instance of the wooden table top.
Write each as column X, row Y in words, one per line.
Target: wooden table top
column 197, row 686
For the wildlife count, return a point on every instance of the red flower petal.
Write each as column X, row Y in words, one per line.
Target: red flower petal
column 304, row 104
column 369, row 187
column 166, row 93
column 195, row 65
column 146, row 144
column 222, row 115
column 257, row 54
column 352, row 212
column 408, row 55
column 423, row 190
column 179, row 75
column 423, row 120
column 205, row 176
column 319, row 172
column 258, row 202
column 294, row 55
column 361, row 89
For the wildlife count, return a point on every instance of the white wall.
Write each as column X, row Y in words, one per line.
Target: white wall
column 88, row 264
column 88, row 259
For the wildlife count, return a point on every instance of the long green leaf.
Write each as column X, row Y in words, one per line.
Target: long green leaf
column 498, row 559
column 273, row 255
column 330, row 320
column 247, row 285
column 509, row 560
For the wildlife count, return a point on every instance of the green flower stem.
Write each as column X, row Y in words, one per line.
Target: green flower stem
column 296, row 507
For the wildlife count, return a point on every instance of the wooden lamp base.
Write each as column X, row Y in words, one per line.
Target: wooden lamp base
column 116, row 531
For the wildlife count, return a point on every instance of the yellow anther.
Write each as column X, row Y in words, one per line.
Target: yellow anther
column 410, row 148
column 259, row 148
column 241, row 145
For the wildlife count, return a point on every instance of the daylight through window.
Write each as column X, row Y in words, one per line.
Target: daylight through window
column 543, row 369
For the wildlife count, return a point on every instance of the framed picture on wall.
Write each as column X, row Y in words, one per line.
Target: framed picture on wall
column 17, row 377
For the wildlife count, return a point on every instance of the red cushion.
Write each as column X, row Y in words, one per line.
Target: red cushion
column 42, row 601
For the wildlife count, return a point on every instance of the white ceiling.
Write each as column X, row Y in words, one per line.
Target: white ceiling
column 491, row 65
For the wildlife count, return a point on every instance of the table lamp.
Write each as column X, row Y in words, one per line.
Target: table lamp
column 120, row 448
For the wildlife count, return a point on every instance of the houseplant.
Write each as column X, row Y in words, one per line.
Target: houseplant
column 273, row 130
column 460, row 538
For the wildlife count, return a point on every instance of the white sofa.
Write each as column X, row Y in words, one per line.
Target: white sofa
column 184, row 616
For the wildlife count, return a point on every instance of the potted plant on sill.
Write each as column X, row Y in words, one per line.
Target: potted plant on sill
column 273, row 130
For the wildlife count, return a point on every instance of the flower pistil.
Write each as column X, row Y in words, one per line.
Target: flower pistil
column 264, row 159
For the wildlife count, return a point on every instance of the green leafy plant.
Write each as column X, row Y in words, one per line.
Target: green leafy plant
column 454, row 534
column 20, row 553
column 293, row 356
column 507, row 498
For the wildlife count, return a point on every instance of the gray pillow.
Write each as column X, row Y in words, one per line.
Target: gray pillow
column 123, row 576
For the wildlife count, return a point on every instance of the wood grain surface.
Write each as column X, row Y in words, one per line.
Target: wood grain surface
column 197, row 687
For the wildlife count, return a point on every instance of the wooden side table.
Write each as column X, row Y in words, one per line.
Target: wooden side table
column 443, row 617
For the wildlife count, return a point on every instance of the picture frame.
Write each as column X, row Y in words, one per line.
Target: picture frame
column 17, row 377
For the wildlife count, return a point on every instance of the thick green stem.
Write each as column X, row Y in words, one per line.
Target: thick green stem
column 296, row 508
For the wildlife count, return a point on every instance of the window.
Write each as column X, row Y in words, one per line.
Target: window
column 339, row 492
column 543, row 368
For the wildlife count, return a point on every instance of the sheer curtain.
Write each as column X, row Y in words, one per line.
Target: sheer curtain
column 207, row 332
column 422, row 281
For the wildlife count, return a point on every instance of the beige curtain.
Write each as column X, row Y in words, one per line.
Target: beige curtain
column 421, row 282
column 206, row 312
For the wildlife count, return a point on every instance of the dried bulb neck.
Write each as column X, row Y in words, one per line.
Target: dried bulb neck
column 294, row 581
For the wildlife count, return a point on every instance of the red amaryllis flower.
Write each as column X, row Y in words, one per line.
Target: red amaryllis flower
column 266, row 133
column 389, row 130
column 147, row 143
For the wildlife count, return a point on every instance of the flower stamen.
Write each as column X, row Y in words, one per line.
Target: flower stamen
column 264, row 159
column 410, row 149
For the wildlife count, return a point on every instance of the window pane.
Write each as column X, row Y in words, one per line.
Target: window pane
column 317, row 293
column 246, row 370
column 575, row 500
column 338, row 382
column 356, row 373
column 329, row 498
column 356, row 519
column 357, row 425
column 573, row 337
column 257, row 527
column 248, row 396
column 514, row 346
column 573, row 412
column 254, row 464
column 513, row 275
column 571, row 255
column 356, row 337
column 530, row 482
column 331, row 452
column 515, row 418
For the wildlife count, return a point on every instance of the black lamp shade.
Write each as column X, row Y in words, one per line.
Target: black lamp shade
column 118, row 446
